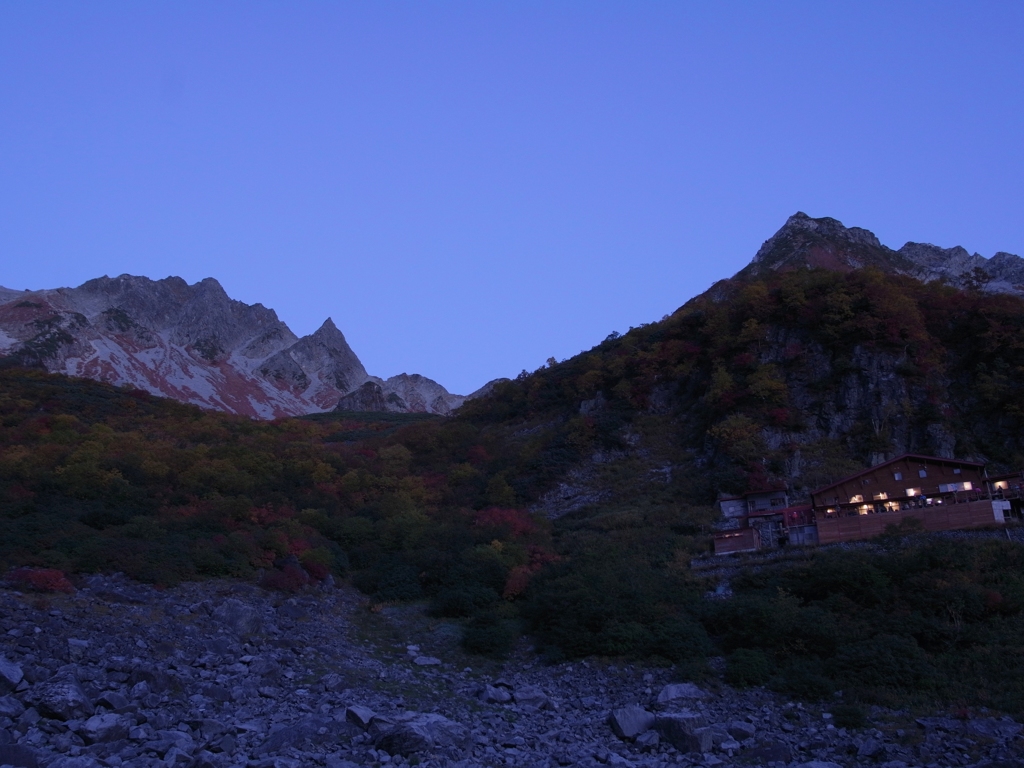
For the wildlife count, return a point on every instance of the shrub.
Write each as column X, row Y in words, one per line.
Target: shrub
column 746, row 667
column 886, row 661
column 488, row 635
column 41, row 580
column 463, row 601
column 803, row 678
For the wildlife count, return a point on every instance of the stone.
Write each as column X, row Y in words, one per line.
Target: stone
column 629, row 722
column 10, row 675
column 999, row 729
column 102, row 728
column 240, row 618
column 426, row 661
column 18, row 755
column 680, row 730
column 818, row 764
column 61, row 698
column 531, row 696
column 870, row 747
column 361, row 716
column 678, row 691
column 741, row 730
column 420, row 732
column 11, row 707
column 81, row 761
column 113, row 700
column 491, row 694
column 648, row 740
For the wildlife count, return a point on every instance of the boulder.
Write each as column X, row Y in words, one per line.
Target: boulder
column 684, row 731
column 421, row 732
column 426, row 661
column 680, row 691
column 61, row 698
column 629, row 722
column 491, row 694
column 240, row 618
column 999, row 729
column 10, row 707
column 10, row 675
column 113, row 700
column 648, row 740
column 360, row 716
column 741, row 730
column 532, row 696
column 103, row 728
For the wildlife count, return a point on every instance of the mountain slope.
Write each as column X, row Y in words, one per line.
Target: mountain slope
column 822, row 356
column 189, row 342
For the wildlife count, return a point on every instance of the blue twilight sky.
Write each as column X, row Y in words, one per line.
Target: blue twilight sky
column 469, row 188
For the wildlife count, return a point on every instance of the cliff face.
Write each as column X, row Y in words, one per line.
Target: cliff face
column 189, row 342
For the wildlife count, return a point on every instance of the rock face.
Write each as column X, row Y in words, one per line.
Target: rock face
column 826, row 243
column 195, row 344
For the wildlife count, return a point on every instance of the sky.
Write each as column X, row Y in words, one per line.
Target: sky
column 470, row 188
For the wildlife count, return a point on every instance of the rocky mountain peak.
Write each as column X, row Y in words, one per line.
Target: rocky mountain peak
column 826, row 243
column 193, row 343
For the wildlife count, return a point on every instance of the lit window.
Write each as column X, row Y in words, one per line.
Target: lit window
column 922, row 473
column 856, row 499
column 913, row 491
column 880, row 496
column 897, row 475
column 863, row 509
column 999, row 484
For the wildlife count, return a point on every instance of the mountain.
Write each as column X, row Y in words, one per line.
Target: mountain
column 825, row 243
column 827, row 353
column 195, row 344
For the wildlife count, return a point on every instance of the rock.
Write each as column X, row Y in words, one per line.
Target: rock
column 629, row 722
column 818, row 764
column 870, row 747
column 17, row 755
column 240, row 618
column 61, row 698
column 426, row 661
column 741, row 730
column 677, row 691
column 648, row 740
column 81, row 761
column 335, row 761
column 490, row 694
column 420, row 732
column 317, row 731
column 361, row 716
column 994, row 728
column 11, row 707
column 947, row 724
column 102, row 728
column 680, row 729
column 10, row 675
column 532, row 696
column 113, row 700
